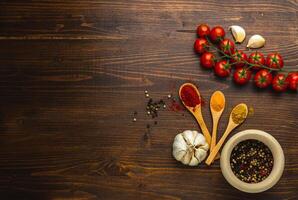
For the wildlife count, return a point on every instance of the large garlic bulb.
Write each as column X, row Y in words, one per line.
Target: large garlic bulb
column 190, row 147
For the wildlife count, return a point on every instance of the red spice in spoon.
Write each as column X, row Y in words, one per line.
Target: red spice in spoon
column 190, row 96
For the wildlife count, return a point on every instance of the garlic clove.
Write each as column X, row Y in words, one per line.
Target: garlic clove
column 187, row 158
column 194, row 161
column 180, row 146
column 200, row 154
column 256, row 41
column 188, row 136
column 205, row 147
column 199, row 140
column 238, row 33
column 178, row 155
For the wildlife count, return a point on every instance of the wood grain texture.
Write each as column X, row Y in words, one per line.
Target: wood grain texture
column 74, row 71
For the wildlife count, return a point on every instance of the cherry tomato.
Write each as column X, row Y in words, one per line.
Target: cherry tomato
column 263, row 78
column 280, row 83
column 222, row 68
column 239, row 58
column 200, row 45
column 217, row 33
column 207, row 60
column 292, row 80
column 242, row 75
column 203, row 30
column 274, row 60
column 256, row 59
column 227, row 46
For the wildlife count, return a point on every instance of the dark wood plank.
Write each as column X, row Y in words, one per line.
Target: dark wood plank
column 73, row 72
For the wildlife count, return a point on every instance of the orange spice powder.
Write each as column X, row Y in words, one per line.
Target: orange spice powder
column 217, row 101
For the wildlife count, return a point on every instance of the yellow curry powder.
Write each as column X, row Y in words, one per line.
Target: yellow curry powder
column 217, row 101
column 239, row 114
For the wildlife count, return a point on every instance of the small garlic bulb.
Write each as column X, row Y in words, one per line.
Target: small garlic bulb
column 256, row 41
column 190, row 147
column 238, row 33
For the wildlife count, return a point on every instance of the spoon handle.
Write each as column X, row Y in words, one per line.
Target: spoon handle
column 215, row 150
column 199, row 117
column 214, row 133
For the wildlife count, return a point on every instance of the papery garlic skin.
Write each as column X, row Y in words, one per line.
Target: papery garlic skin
column 256, row 41
column 238, row 33
column 190, row 148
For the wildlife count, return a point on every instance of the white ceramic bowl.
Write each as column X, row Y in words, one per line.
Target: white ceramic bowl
column 278, row 163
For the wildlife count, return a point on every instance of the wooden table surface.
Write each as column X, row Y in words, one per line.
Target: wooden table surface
column 74, row 71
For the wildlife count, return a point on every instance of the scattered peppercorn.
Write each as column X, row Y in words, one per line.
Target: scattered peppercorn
column 251, row 161
column 153, row 107
column 135, row 113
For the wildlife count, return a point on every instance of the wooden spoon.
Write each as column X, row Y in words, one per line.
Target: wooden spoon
column 216, row 114
column 231, row 126
column 197, row 112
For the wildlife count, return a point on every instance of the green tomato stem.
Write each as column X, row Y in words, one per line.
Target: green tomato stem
column 244, row 61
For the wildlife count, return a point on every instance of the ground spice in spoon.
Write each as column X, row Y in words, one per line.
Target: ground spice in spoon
column 239, row 114
column 190, row 96
column 217, row 101
column 251, row 161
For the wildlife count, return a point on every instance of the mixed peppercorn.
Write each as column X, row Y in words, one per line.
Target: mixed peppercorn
column 251, row 161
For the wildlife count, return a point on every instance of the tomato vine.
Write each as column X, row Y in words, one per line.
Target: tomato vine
column 268, row 71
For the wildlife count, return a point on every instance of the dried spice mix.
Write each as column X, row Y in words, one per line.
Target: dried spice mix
column 251, row 161
column 239, row 114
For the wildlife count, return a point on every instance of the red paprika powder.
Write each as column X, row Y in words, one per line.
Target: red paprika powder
column 190, row 96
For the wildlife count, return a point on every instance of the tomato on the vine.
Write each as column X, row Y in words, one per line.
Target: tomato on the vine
column 263, row 78
column 256, row 59
column 222, row 68
column 274, row 60
column 201, row 45
column 207, row 60
column 292, row 80
column 280, row 83
column 203, row 30
column 242, row 75
column 217, row 33
column 227, row 46
column 239, row 58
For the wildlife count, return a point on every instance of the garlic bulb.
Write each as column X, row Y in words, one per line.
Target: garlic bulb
column 238, row 33
column 256, row 41
column 190, row 147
